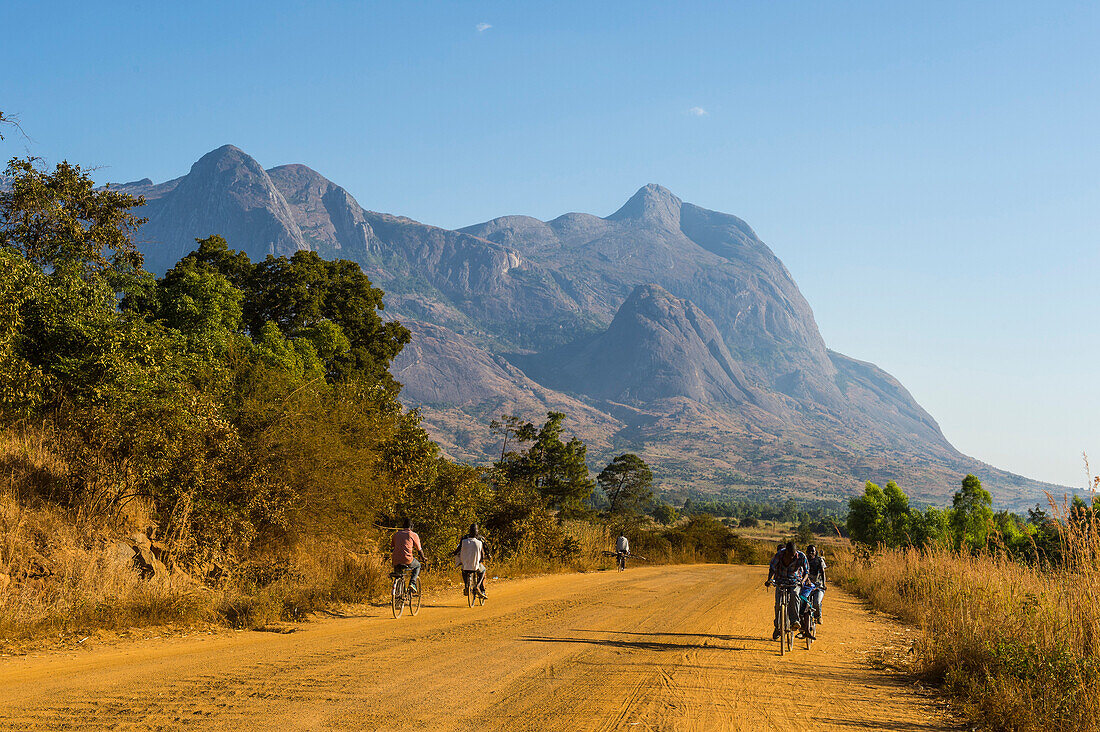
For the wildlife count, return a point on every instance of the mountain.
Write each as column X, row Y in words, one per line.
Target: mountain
column 658, row 346
column 664, row 328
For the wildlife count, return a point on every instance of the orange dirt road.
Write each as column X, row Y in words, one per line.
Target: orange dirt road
column 654, row 648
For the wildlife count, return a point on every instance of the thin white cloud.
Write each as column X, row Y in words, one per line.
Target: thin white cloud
column 697, row 112
column 482, row 27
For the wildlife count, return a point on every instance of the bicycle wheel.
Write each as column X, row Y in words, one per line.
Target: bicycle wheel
column 784, row 622
column 414, row 599
column 471, row 589
column 622, row 562
column 398, row 599
column 809, row 627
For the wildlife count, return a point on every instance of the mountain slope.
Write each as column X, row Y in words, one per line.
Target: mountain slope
column 664, row 328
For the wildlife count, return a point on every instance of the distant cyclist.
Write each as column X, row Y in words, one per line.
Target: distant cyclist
column 622, row 550
column 816, row 574
column 788, row 567
column 472, row 553
column 404, row 543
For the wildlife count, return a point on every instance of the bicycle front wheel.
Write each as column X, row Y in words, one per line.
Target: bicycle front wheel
column 414, row 599
column 397, row 601
column 809, row 627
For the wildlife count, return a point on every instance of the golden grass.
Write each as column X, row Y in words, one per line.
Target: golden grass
column 1017, row 646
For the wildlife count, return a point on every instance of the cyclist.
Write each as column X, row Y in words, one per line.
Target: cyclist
column 403, row 544
column 787, row 567
column 816, row 574
column 471, row 552
column 622, row 549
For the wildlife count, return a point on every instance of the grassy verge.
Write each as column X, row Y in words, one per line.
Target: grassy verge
column 62, row 575
column 1016, row 646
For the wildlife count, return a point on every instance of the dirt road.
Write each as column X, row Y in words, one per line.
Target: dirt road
column 654, row 648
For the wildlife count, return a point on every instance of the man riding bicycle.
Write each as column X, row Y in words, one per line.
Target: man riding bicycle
column 403, row 544
column 622, row 549
column 816, row 574
column 472, row 552
column 788, row 568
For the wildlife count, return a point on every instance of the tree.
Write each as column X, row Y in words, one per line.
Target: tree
column 332, row 304
column 665, row 513
column 971, row 515
column 61, row 222
column 628, row 482
column 897, row 515
column 867, row 522
column 555, row 469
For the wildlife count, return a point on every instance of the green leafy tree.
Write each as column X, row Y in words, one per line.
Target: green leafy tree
column 971, row 515
column 554, row 468
column 928, row 527
column 628, row 483
column 330, row 303
column 61, row 222
column 897, row 515
column 665, row 513
column 867, row 520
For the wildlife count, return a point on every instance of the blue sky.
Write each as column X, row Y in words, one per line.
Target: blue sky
column 929, row 172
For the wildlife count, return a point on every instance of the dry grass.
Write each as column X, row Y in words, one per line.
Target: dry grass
column 1017, row 646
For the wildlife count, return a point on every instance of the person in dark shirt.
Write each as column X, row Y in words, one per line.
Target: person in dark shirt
column 788, row 567
column 816, row 574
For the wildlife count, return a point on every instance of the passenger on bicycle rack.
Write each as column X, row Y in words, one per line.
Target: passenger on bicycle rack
column 816, row 574
column 404, row 542
column 788, row 567
column 472, row 552
column 622, row 549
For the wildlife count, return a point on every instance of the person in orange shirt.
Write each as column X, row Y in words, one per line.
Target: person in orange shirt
column 404, row 543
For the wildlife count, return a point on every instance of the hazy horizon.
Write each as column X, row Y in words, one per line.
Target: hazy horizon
column 926, row 172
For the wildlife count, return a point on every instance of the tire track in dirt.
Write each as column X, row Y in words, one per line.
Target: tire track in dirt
column 661, row 648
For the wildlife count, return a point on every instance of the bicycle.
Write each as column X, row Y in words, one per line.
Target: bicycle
column 786, row 633
column 470, row 583
column 807, row 614
column 403, row 594
column 620, row 559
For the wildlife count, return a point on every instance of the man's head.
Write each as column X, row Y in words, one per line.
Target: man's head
column 811, row 550
column 473, row 531
column 407, row 524
column 789, row 548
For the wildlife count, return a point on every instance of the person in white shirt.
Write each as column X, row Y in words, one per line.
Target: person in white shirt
column 622, row 550
column 472, row 553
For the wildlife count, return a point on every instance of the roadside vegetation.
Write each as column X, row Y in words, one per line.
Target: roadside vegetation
column 1007, row 621
column 226, row 442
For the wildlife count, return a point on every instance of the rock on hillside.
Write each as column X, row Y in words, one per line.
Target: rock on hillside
column 227, row 193
column 658, row 346
column 461, row 388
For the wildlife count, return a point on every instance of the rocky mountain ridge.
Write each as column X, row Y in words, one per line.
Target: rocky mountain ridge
column 665, row 328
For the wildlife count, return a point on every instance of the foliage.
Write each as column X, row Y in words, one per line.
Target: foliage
column 555, row 469
column 627, row 481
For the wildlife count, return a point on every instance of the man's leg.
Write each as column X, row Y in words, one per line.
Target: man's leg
column 415, row 567
column 819, row 595
column 481, row 581
column 792, row 608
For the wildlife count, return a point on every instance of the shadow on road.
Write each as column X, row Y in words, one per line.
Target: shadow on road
column 645, row 645
column 710, row 636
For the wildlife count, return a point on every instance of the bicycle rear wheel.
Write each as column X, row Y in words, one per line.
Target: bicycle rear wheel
column 397, row 601
column 414, row 599
column 784, row 623
column 471, row 589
